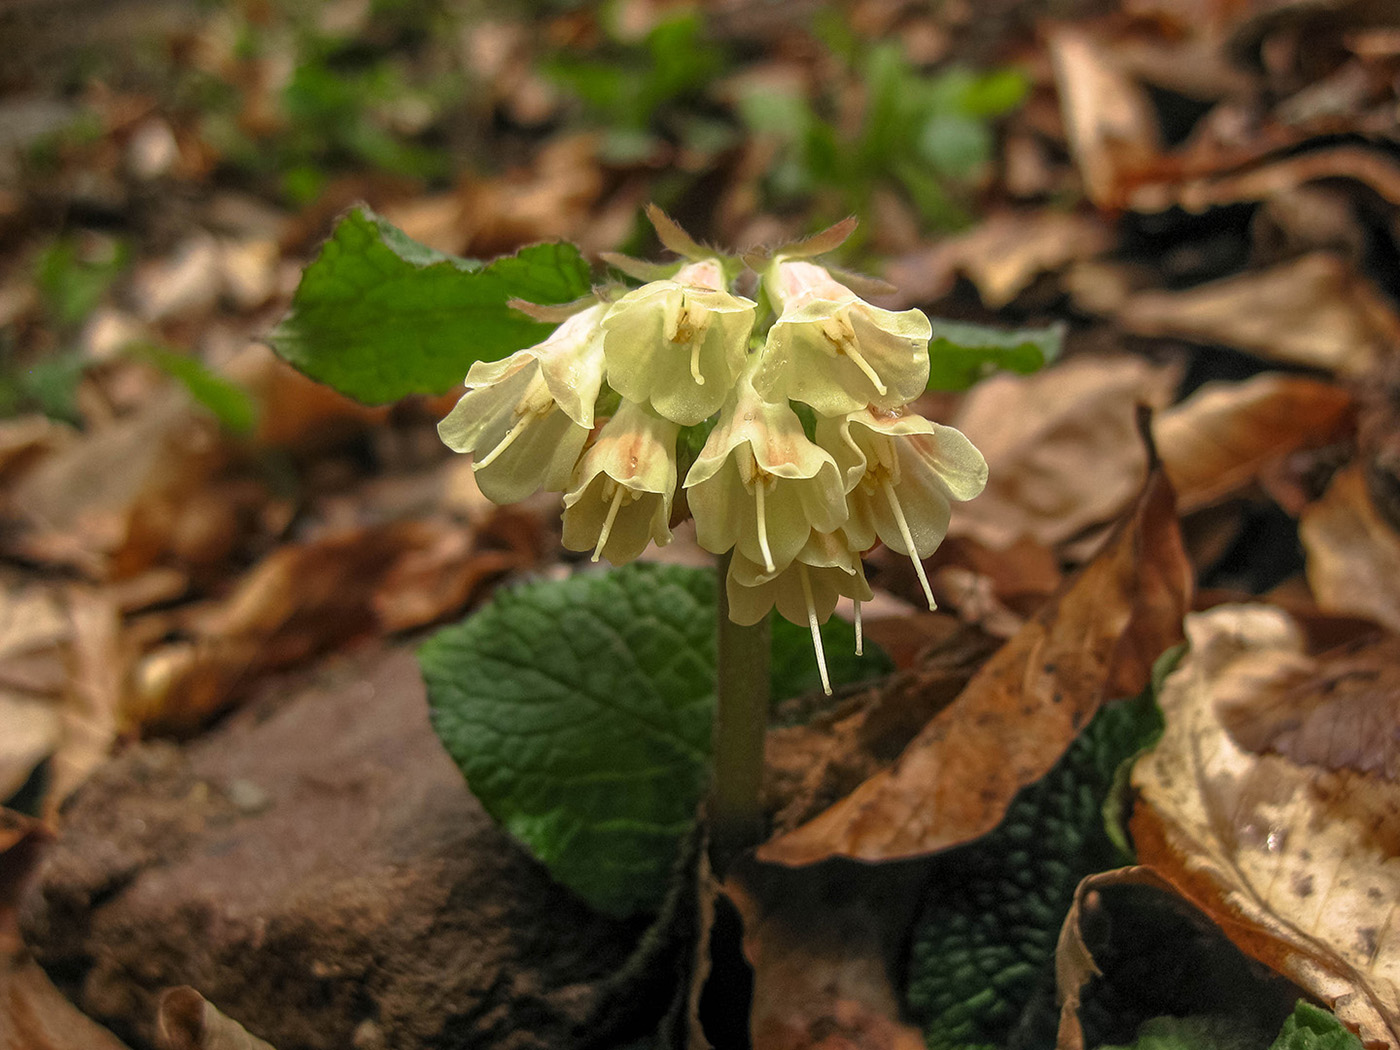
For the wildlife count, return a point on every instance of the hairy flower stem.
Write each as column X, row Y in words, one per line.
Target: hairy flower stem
column 741, row 717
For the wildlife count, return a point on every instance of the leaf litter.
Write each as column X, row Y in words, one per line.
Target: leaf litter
column 1234, row 220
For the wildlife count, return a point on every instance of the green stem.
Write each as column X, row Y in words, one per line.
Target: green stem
column 741, row 718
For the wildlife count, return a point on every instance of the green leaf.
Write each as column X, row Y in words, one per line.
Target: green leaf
column 1311, row 1028
column 379, row 316
column 229, row 403
column 1198, row 1032
column 982, row 963
column 580, row 712
column 960, row 354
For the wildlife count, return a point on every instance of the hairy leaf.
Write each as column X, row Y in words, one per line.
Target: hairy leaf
column 580, row 713
column 379, row 316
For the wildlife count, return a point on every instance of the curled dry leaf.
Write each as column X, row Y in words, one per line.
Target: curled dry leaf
column 185, row 1020
column 1353, row 555
column 1294, row 850
column 1062, row 448
column 1315, row 310
column 1135, row 949
column 1220, row 439
column 1020, row 712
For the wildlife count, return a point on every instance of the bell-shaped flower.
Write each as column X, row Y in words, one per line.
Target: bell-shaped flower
column 805, row 592
column 834, row 351
column 678, row 344
column 621, row 497
column 759, row 485
column 901, row 470
column 525, row 419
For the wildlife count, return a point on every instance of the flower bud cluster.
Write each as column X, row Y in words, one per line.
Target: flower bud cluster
column 794, row 507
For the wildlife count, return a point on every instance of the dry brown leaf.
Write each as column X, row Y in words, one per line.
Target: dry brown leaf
column 185, row 1020
column 1129, row 939
column 1370, row 167
column 1062, row 448
column 1353, row 555
column 1001, row 256
column 1023, row 708
column 825, row 984
column 1299, row 863
column 93, row 701
column 1112, row 128
column 78, row 506
column 1218, row 441
column 1315, row 310
column 1074, row 961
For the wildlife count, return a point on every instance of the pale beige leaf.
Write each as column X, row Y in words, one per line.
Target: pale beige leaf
column 29, row 731
column 1315, row 310
column 1112, row 128
column 1062, row 448
column 1299, row 863
column 187, row 1021
column 1353, row 555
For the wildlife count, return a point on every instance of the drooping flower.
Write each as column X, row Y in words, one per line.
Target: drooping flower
column 678, row 344
column 525, row 418
column 805, row 592
column 901, row 470
column 621, row 497
column 834, row 351
column 759, row 485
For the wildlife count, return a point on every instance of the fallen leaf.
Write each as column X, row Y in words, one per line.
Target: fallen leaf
column 1315, row 311
column 1022, row 710
column 1111, row 127
column 93, row 701
column 1001, row 256
column 1353, row 555
column 185, row 1020
column 1062, row 448
column 1296, row 862
column 827, row 984
column 1136, row 950
column 1220, row 439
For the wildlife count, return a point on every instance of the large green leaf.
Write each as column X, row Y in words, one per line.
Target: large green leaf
column 580, row 711
column 960, row 354
column 379, row 316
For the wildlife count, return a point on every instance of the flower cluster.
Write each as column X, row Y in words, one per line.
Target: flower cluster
column 794, row 506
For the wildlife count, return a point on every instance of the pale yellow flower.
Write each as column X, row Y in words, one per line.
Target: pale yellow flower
column 834, row 351
column 678, row 344
column 621, row 497
column 805, row 592
column 759, row 485
column 525, row 419
column 901, row 470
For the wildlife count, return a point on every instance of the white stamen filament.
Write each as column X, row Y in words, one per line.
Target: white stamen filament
column 608, row 523
column 514, row 432
column 860, row 637
column 842, row 337
column 864, row 366
column 758, row 492
column 908, row 541
column 816, row 628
